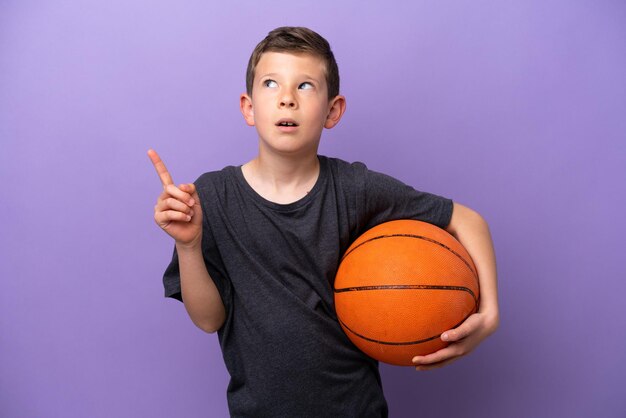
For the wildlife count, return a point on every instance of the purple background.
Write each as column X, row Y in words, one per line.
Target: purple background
column 517, row 109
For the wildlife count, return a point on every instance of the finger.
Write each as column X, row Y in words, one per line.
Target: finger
column 171, row 216
column 164, row 175
column 179, row 194
column 172, row 204
column 425, row 367
column 189, row 188
column 460, row 332
column 438, row 356
column 176, row 192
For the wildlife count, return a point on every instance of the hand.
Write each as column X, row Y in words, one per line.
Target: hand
column 178, row 210
column 463, row 339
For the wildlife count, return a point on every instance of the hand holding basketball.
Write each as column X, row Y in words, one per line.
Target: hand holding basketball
column 473, row 232
column 178, row 210
column 462, row 340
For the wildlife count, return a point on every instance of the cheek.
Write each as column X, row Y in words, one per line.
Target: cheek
column 260, row 112
column 322, row 112
column 262, row 115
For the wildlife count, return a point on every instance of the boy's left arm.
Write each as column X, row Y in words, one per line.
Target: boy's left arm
column 471, row 230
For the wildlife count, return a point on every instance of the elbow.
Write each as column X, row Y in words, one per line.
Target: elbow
column 209, row 318
column 462, row 216
column 210, row 330
column 479, row 220
column 210, row 326
column 474, row 216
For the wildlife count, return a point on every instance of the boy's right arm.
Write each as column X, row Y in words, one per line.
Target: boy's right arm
column 179, row 214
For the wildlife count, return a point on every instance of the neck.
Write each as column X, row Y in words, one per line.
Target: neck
column 282, row 179
column 286, row 171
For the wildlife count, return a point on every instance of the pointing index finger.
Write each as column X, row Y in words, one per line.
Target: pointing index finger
column 164, row 175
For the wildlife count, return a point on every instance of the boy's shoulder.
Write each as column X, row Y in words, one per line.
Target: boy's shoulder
column 356, row 171
column 211, row 182
column 341, row 166
column 216, row 175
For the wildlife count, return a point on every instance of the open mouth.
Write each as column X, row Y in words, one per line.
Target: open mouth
column 286, row 122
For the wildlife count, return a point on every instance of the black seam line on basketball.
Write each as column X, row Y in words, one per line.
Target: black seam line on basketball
column 407, row 286
column 425, row 340
column 416, row 237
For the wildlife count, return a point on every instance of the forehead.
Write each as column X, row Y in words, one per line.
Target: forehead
column 287, row 63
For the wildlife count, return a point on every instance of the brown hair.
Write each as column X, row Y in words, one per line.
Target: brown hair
column 296, row 40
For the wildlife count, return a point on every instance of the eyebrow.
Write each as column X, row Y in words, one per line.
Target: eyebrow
column 307, row 76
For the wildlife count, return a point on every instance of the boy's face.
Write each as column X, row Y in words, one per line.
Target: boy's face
column 289, row 104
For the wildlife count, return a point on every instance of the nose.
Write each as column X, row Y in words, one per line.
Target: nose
column 288, row 100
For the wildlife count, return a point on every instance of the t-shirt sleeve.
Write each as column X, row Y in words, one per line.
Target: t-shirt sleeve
column 171, row 279
column 210, row 253
column 386, row 198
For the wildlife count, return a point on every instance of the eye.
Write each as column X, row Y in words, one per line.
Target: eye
column 305, row 86
column 270, row 83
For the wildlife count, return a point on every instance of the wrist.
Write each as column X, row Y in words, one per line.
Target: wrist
column 491, row 318
column 192, row 247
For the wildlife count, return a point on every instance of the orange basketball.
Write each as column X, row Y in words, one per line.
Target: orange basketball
column 402, row 284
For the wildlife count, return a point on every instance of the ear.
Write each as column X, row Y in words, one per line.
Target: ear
column 336, row 109
column 245, row 105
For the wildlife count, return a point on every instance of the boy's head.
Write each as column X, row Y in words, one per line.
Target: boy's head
column 296, row 40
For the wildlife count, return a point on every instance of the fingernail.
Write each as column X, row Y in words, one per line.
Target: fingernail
column 445, row 336
column 188, row 217
column 192, row 202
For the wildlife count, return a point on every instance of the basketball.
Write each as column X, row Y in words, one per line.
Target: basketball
column 400, row 285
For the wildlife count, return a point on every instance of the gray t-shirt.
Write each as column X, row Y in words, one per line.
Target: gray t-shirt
column 274, row 266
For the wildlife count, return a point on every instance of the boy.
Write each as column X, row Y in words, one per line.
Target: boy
column 257, row 246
